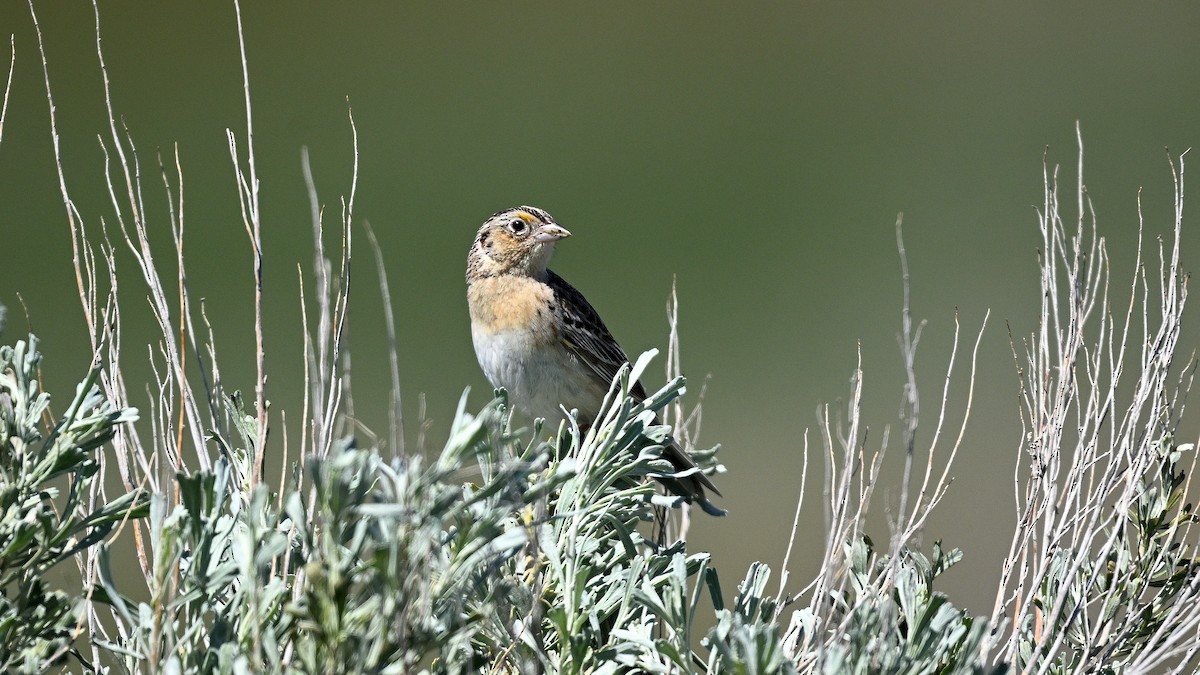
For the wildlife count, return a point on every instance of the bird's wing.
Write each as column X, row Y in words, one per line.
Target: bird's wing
column 584, row 333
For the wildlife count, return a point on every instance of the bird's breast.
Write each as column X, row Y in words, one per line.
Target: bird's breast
column 519, row 348
column 510, row 303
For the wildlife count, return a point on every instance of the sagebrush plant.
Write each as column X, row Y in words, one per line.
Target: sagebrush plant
column 43, row 522
column 514, row 550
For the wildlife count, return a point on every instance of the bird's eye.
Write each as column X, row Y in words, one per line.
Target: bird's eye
column 517, row 226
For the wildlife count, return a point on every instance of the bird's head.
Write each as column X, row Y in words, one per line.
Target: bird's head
column 515, row 241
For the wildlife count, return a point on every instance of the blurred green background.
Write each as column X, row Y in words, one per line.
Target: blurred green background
column 757, row 152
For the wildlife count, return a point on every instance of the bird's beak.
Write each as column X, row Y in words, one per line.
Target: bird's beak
column 550, row 232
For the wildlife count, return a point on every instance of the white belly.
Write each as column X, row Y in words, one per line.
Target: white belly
column 540, row 379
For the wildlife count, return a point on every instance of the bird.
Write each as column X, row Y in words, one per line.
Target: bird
column 536, row 336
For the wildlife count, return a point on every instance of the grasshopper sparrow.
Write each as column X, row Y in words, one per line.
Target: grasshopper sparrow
column 539, row 338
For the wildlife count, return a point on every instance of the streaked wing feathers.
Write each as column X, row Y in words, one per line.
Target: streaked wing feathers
column 584, row 333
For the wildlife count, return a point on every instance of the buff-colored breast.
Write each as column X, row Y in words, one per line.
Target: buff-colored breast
column 519, row 348
column 507, row 303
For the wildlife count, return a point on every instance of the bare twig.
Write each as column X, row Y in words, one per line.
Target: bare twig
column 396, row 411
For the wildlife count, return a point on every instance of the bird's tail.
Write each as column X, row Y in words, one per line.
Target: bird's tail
column 693, row 485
